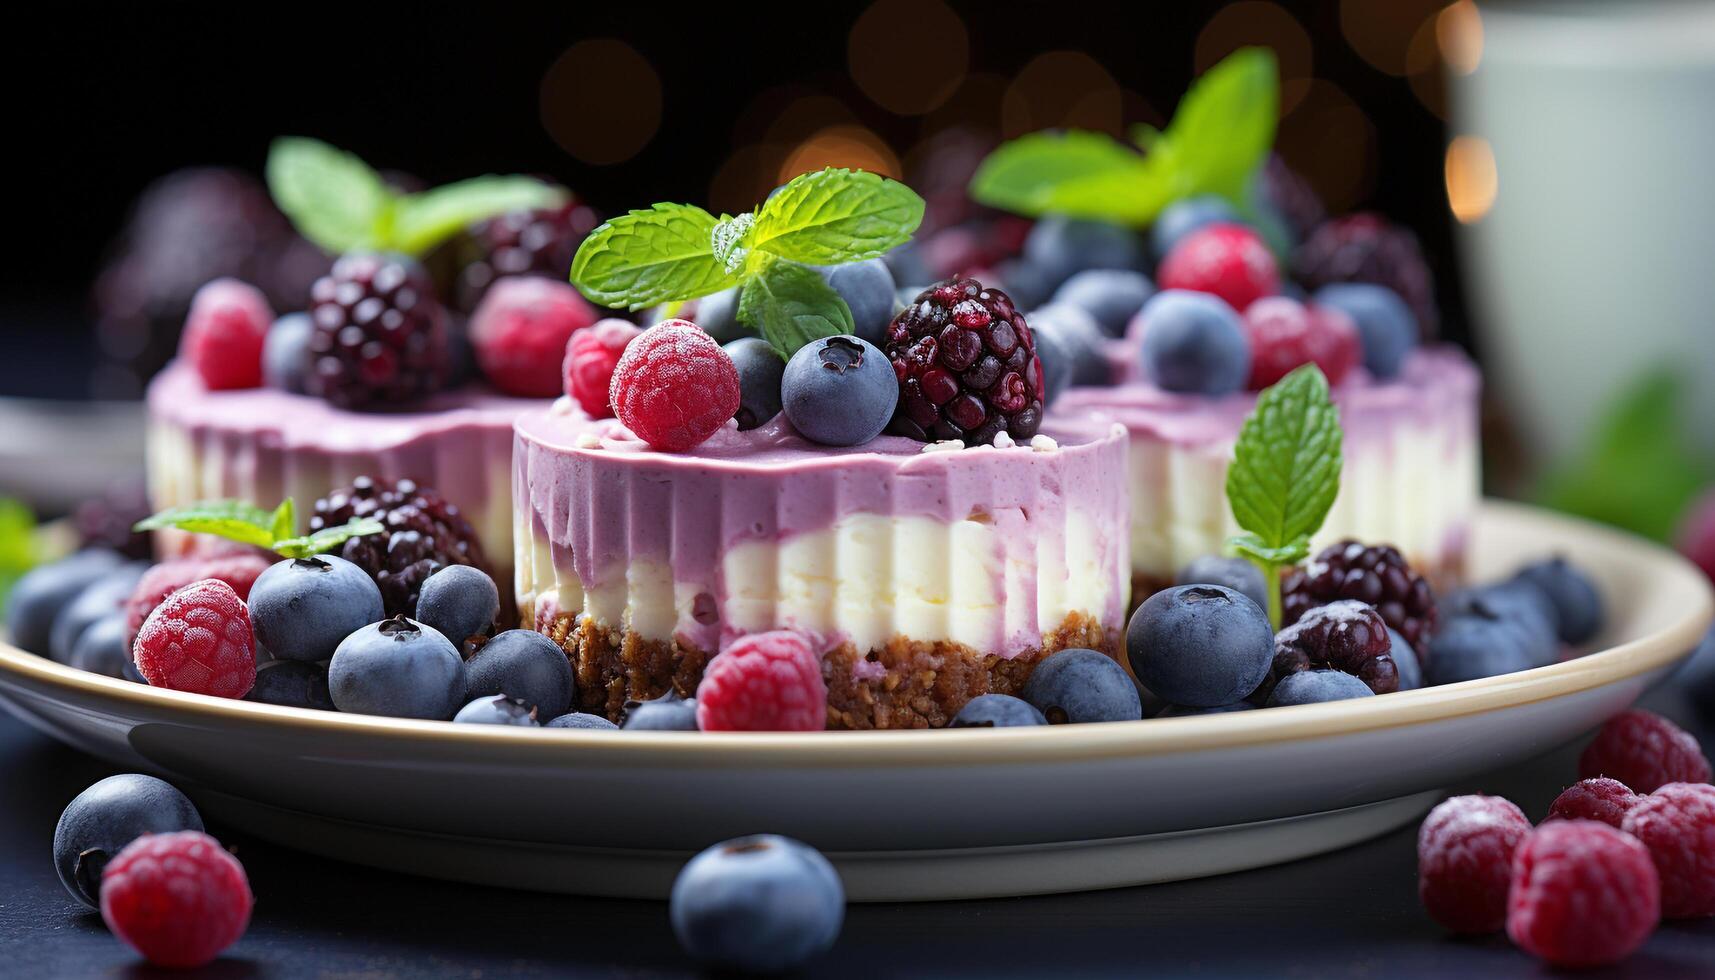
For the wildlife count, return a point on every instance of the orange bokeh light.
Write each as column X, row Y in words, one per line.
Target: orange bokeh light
column 1332, row 144
column 908, row 56
column 601, row 101
column 1472, row 179
column 1062, row 89
column 1258, row 22
column 841, row 146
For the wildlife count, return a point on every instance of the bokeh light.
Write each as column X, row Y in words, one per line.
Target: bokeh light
column 601, row 101
column 1472, row 180
column 1459, row 35
column 1427, row 77
column 975, row 104
column 745, row 178
column 1066, row 89
column 1380, row 31
column 1332, row 144
column 841, row 146
column 908, row 56
column 1258, row 22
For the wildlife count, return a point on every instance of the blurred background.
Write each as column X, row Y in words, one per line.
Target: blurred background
column 1548, row 156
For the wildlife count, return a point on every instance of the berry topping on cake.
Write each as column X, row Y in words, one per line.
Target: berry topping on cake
column 199, row 640
column 1377, row 575
column 1186, row 215
column 1384, row 324
column 541, row 241
column 764, row 682
column 760, row 373
column 1464, row 861
column 1194, row 343
column 177, row 898
column 674, row 386
column 1229, row 260
column 224, row 334
column 1285, row 333
column 423, row 534
column 839, row 391
column 520, row 332
column 1366, row 247
column 590, row 359
column 1111, row 296
column 380, row 336
column 1347, row 636
column 966, row 364
column 1677, row 824
column 1583, row 894
column 1292, row 197
column 286, row 352
column 1645, row 751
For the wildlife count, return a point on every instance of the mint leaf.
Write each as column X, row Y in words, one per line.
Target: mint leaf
column 284, row 522
column 333, row 198
column 18, row 546
column 327, row 539
column 235, row 520
column 1224, row 125
column 1078, row 174
column 647, row 257
column 422, row 221
column 790, row 305
column 1251, row 546
column 835, row 216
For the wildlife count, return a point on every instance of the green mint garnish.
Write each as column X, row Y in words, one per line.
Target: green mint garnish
column 1285, row 475
column 834, row 216
column 790, row 305
column 244, row 522
column 1219, row 136
column 664, row 254
column 340, row 203
column 19, row 549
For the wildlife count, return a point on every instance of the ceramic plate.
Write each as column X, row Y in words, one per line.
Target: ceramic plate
column 906, row 815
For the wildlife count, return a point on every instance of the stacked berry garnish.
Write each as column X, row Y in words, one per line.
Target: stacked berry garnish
column 528, row 242
column 966, row 364
column 379, row 335
column 422, row 533
column 1377, row 575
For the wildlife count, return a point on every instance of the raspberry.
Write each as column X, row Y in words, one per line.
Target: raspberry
column 1464, row 861
column 1367, row 248
column 674, row 386
column 1583, row 894
column 380, row 336
column 1347, row 636
column 198, row 640
column 1601, row 799
column 590, row 359
column 520, row 333
column 1378, row 575
column 223, row 334
column 1645, row 751
column 540, row 242
column 764, row 682
column 967, row 366
column 1285, row 334
column 237, row 570
column 178, row 898
column 1677, row 824
column 424, row 534
column 1227, row 260
column 1697, row 535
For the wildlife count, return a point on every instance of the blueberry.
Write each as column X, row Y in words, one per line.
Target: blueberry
column 460, row 601
column 1074, row 686
column 1056, row 359
column 497, row 709
column 1185, row 216
column 104, row 818
column 867, row 288
column 398, row 668
column 1026, row 283
column 1186, row 711
column 761, row 904
column 1080, row 339
column 1060, row 247
column 105, row 649
column 717, row 314
column 461, row 357
column 667, row 713
column 1576, row 600
column 1234, row 573
column 996, row 711
column 292, row 684
column 301, row 608
column 1316, row 686
column 1470, row 646
column 38, row 596
column 759, row 371
column 286, row 353
column 522, row 664
column 579, row 719
column 97, row 601
column 1517, row 605
column 1194, row 343
column 1406, row 662
column 1200, row 645
column 1386, row 327
column 1112, row 296
column 905, row 263
column 839, row 391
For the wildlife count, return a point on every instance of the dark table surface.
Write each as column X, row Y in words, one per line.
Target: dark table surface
column 1349, row 914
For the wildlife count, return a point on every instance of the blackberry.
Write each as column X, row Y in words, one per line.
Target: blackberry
column 1366, row 247
column 1292, row 196
column 540, row 242
column 380, row 336
column 424, row 534
column 1378, row 576
column 1346, row 636
column 106, row 521
column 966, row 364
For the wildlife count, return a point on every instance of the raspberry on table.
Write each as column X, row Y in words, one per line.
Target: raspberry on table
column 1601, row 799
column 179, row 898
column 1348, row 636
column 591, row 356
column 1677, row 824
column 521, row 330
column 1228, row 260
column 237, row 570
column 1285, row 334
column 674, row 386
column 1583, row 894
column 1377, row 575
column 1464, row 861
column 967, row 366
column 380, row 336
column 224, row 332
column 199, row 640
column 1645, row 751
column 424, row 534
column 764, row 682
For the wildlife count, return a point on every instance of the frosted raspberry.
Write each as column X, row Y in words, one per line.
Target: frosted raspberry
column 178, row 899
column 1677, row 824
column 764, row 682
column 199, row 640
column 1645, row 751
column 1285, row 334
column 1601, row 799
column 1464, row 861
column 520, row 333
column 1583, row 894
column 590, row 359
column 1227, row 260
column 674, row 386
column 238, row 570
column 223, row 334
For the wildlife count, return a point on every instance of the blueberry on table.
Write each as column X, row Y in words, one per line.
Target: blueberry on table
column 302, row 608
column 1194, row 343
column 759, row 372
column 522, row 664
column 1200, row 645
column 37, row 598
column 1238, row 574
column 292, row 684
column 996, row 711
column 579, row 719
column 868, row 288
column 1472, row 646
column 1187, row 215
column 839, row 391
column 1077, row 685
column 1061, row 246
column 761, row 904
column 1576, row 600
column 1405, row 662
column 398, row 668
column 460, row 600
column 1518, row 605
column 497, row 710
column 96, row 601
column 1316, row 686
column 1386, row 326
column 104, row 818
column 1111, row 296
column 667, row 713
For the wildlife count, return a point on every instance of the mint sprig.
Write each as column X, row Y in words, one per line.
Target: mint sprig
column 791, row 305
column 244, row 522
column 1219, row 136
column 340, row 203
column 1285, row 475
column 835, row 216
column 19, row 545
column 660, row 255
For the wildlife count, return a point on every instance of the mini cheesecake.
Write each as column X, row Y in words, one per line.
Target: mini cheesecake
column 926, row 573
